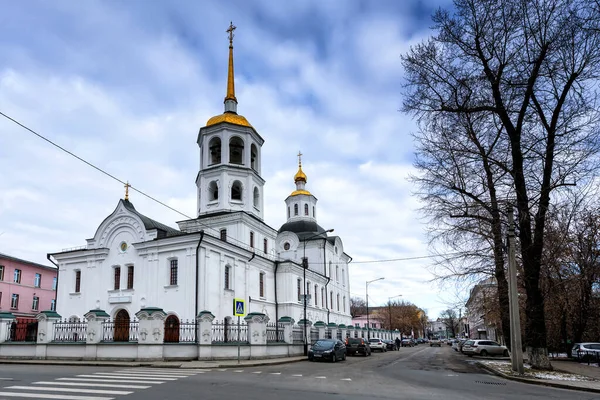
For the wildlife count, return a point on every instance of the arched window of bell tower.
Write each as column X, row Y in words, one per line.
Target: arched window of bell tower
column 306, row 209
column 295, row 209
column 236, row 191
column 236, row 150
column 254, row 157
column 256, row 197
column 214, row 148
column 213, row 191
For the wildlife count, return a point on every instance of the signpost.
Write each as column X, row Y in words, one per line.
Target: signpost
column 239, row 310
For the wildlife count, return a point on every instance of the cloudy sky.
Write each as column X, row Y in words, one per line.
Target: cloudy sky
column 127, row 85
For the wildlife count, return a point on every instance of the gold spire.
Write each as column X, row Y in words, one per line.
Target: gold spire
column 230, row 81
column 127, row 186
column 300, row 175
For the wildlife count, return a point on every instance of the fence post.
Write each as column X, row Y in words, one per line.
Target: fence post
column 204, row 321
column 45, row 331
column 333, row 328
column 320, row 325
column 288, row 329
column 152, row 325
column 95, row 318
column 6, row 319
column 257, row 327
column 343, row 328
column 351, row 331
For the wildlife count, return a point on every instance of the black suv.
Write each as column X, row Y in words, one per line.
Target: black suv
column 357, row 345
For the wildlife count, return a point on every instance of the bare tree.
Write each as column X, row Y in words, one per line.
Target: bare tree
column 358, row 307
column 530, row 66
column 451, row 320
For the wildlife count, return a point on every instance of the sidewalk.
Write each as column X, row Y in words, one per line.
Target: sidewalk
column 566, row 375
column 196, row 364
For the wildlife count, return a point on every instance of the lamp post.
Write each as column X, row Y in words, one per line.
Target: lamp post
column 390, row 308
column 367, row 294
column 305, row 267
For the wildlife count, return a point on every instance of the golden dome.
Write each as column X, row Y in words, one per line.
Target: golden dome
column 299, row 192
column 300, row 175
column 230, row 118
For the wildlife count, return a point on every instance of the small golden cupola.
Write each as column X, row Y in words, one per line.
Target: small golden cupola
column 300, row 179
column 230, row 114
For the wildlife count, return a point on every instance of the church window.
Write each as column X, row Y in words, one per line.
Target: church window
column 299, row 289
column 17, row 276
column 215, row 150
column 316, row 295
column 213, row 191
column 323, row 297
column 265, row 245
column 130, row 271
column 261, row 284
column 337, row 273
column 36, row 303
column 313, row 211
column 173, row 272
column 306, row 209
column 254, row 157
column 227, row 277
column 336, row 251
column 289, row 213
column 256, row 197
column 236, row 191
column 331, row 299
column 77, row 281
column 286, row 246
column 343, row 276
column 236, row 150
column 307, row 289
column 252, row 239
column 344, row 303
column 117, row 276
column 224, row 235
column 295, row 209
column 338, row 302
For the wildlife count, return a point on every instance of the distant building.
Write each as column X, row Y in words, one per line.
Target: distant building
column 374, row 320
column 436, row 328
column 26, row 288
column 482, row 310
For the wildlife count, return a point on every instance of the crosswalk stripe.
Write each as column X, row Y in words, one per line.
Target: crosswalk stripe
column 107, row 385
column 72, row 390
column 158, row 371
column 345, row 379
column 140, row 374
column 275, row 373
column 257, row 372
column 320, row 377
column 104, row 375
column 109, row 380
column 52, row 396
column 297, row 375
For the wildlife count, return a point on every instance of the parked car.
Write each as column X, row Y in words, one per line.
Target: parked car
column 391, row 345
column 357, row 346
column 460, row 344
column 484, row 348
column 435, row 342
column 408, row 343
column 377, row 344
column 327, row 349
column 585, row 351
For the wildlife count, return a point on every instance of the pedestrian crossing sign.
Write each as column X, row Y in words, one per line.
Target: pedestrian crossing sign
column 239, row 307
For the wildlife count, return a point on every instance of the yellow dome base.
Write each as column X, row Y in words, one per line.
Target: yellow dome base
column 299, row 192
column 230, row 118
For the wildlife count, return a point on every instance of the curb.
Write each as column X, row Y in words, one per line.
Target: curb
column 535, row 381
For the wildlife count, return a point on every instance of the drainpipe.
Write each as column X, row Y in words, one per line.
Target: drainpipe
column 276, row 303
column 57, row 273
column 197, row 274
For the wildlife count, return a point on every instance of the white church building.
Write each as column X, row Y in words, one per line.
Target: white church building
column 227, row 252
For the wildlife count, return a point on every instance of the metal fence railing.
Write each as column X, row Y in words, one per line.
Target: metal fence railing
column 314, row 335
column 274, row 332
column 225, row 332
column 120, row 331
column 589, row 357
column 70, row 330
column 297, row 334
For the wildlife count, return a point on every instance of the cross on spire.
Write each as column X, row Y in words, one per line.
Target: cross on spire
column 299, row 159
column 230, row 31
column 127, row 186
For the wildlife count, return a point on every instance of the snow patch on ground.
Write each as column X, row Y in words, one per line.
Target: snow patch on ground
column 506, row 368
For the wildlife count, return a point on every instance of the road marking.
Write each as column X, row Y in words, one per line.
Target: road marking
column 78, row 390
column 320, row 377
column 105, row 375
column 275, row 373
column 52, row 396
column 92, row 384
column 108, row 380
column 345, row 379
column 6, row 379
column 222, row 369
column 239, row 370
column 157, row 371
column 132, row 374
column 257, row 372
column 297, row 375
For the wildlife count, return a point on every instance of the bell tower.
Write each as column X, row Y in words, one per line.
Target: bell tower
column 230, row 158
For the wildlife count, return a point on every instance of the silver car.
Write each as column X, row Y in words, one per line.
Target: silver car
column 377, row 344
column 585, row 351
column 484, row 348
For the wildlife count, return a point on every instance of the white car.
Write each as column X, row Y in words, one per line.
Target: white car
column 585, row 351
column 435, row 342
column 377, row 344
column 484, row 348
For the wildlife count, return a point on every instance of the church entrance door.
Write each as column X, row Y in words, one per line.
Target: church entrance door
column 172, row 329
column 122, row 326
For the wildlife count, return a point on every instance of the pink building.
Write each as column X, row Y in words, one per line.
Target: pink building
column 26, row 288
column 361, row 321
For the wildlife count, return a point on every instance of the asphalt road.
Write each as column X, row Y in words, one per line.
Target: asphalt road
column 411, row 373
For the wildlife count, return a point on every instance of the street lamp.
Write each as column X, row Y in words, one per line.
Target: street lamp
column 305, row 267
column 390, row 308
column 367, row 293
